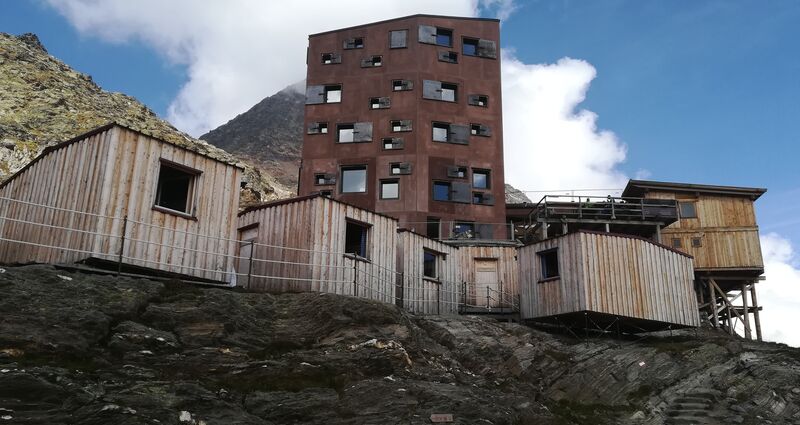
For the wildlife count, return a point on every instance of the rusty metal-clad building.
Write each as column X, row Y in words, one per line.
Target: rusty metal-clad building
column 314, row 243
column 117, row 195
column 403, row 117
column 717, row 226
column 605, row 280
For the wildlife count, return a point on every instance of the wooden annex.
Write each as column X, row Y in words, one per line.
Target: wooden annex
column 315, row 243
column 490, row 273
column 117, row 195
column 594, row 279
column 430, row 274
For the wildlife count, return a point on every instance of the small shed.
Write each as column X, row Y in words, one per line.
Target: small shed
column 315, row 243
column 118, row 195
column 593, row 279
column 429, row 274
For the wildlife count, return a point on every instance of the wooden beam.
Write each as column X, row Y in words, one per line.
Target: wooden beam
column 756, row 317
column 747, row 333
column 712, row 301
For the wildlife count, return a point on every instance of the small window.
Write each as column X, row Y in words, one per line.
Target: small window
column 333, row 93
column 390, row 189
column 318, row 128
column 457, row 172
column 430, row 262
column 324, row 179
column 401, row 125
column 326, row 193
column 676, row 243
column 433, row 225
column 398, row 39
column 697, row 242
column 687, row 209
column 478, row 100
column 175, row 188
column 470, row 46
column 444, row 37
column 433, row 35
column 331, row 58
column 464, row 230
column 372, row 62
column 392, row 143
column 449, row 92
column 354, row 179
column 380, row 103
column 438, row 90
column 482, row 198
column 480, row 130
column 441, row 131
column 480, row 179
column 398, row 168
column 402, row 85
column 354, row 43
column 549, row 263
column 359, row 132
column 355, row 239
column 345, row 133
column 449, row 57
column 441, row 191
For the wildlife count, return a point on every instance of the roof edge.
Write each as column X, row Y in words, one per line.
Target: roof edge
column 418, row 15
column 618, row 235
column 644, row 185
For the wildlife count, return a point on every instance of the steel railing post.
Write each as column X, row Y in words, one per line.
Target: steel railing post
column 122, row 245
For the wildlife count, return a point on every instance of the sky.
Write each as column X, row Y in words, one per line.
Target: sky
column 594, row 93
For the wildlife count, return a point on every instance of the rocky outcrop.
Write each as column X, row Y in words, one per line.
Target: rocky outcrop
column 94, row 349
column 44, row 101
column 516, row 196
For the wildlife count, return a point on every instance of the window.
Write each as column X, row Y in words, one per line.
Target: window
column 390, row 189
column 444, row 37
column 331, row 58
column 429, row 262
column 398, row 168
column 354, row 133
column 402, row 85
column 437, row 90
column 355, row 239
column 392, row 143
column 480, row 179
column 449, row 57
column 372, row 62
column 324, row 179
column 697, row 242
column 478, row 100
column 353, row 43
column 398, row 39
column 463, row 230
column 469, row 46
column 331, row 93
column 676, row 242
column 380, row 103
column 457, row 172
column 549, row 263
column 479, row 47
column 433, row 227
column 175, row 188
column 440, row 132
column 318, row 128
column 401, row 125
column 354, row 179
column 480, row 130
column 432, row 35
column 482, row 198
column 441, row 191
column 687, row 209
column 326, row 193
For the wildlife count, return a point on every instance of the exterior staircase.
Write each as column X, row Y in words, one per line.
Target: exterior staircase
column 694, row 407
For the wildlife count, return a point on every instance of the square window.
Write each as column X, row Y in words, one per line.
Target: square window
column 320, row 179
column 449, row 92
column 430, row 262
column 549, row 263
column 697, row 242
column 441, row 191
column 355, row 239
column 480, row 179
column 345, row 133
column 687, row 209
column 333, row 94
column 354, row 179
column 175, row 188
column 440, row 132
column 470, row 46
column 444, row 37
column 398, row 39
column 395, row 168
column 477, row 197
column 390, row 189
column 676, row 242
column 432, row 225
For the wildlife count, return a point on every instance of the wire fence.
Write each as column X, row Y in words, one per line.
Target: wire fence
column 38, row 233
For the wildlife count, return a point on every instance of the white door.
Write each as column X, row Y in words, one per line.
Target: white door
column 487, row 287
column 243, row 269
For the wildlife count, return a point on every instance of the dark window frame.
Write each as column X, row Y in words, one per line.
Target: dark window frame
column 430, row 264
column 549, row 264
column 330, row 88
column 693, row 205
column 190, row 202
column 388, row 181
column 677, row 243
column 697, row 242
column 361, row 238
column 488, row 177
column 354, row 167
column 443, row 184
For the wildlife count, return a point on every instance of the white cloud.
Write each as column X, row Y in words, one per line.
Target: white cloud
column 779, row 294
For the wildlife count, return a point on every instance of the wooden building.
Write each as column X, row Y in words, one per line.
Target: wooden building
column 607, row 281
column 315, row 243
column 430, row 274
column 490, row 274
column 717, row 226
column 117, row 195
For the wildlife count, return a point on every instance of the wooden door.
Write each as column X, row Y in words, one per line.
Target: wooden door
column 246, row 250
column 487, row 286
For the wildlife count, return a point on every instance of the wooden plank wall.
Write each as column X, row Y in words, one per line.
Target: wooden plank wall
column 726, row 226
column 613, row 274
column 66, row 178
column 507, row 268
column 317, row 227
column 420, row 294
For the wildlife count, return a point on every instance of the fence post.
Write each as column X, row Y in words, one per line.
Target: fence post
column 401, row 290
column 355, row 277
column 438, row 287
column 250, row 263
column 122, row 244
column 488, row 299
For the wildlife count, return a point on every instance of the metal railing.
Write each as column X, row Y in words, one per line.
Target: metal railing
column 603, row 208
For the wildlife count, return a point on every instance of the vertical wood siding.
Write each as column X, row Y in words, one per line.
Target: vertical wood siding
column 316, row 228
column 611, row 274
column 423, row 295
column 507, row 268
column 114, row 173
